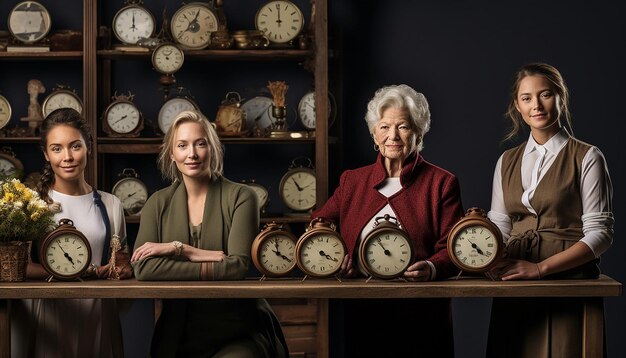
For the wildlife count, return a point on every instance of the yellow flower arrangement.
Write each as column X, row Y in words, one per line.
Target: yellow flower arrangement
column 24, row 216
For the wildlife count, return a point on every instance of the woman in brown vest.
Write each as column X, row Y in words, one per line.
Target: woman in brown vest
column 552, row 201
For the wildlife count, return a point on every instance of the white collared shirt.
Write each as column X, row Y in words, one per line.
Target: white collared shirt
column 595, row 185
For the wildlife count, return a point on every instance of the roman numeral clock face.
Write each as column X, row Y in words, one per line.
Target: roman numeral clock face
column 475, row 247
column 281, row 21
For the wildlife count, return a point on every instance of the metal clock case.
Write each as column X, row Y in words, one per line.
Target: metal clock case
column 280, row 20
column 168, row 58
column 5, row 111
column 10, row 166
column 297, row 186
column 62, row 97
column 122, row 118
column 386, row 252
column 306, row 110
column 320, row 250
column 131, row 191
column 65, row 253
column 193, row 23
column 133, row 22
column 274, row 251
column 29, row 22
column 475, row 243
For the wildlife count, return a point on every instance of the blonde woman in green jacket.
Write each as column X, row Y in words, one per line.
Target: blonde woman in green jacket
column 201, row 227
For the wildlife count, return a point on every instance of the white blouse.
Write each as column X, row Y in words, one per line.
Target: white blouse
column 595, row 184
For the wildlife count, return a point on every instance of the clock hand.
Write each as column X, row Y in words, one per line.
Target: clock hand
column 474, row 246
column 121, row 118
column 67, row 256
column 306, row 186
column 279, row 21
column 133, row 27
column 387, row 252
column 297, row 185
column 323, row 254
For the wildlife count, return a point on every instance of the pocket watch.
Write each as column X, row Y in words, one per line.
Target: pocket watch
column 10, row 166
column 29, row 22
column 5, row 111
column 131, row 191
column 320, row 250
column 230, row 118
column 475, row 242
column 171, row 108
column 122, row 118
column 133, row 22
column 65, row 253
column 262, row 194
column 62, row 97
column 297, row 186
column 386, row 252
column 258, row 114
column 280, row 20
column 274, row 251
column 193, row 23
column 306, row 110
column 168, row 58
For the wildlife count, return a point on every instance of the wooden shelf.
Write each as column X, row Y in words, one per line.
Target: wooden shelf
column 219, row 55
column 51, row 55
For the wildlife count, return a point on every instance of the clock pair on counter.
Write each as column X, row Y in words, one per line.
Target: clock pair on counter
column 175, row 103
column 281, row 21
column 475, row 243
column 65, row 253
column 122, row 117
column 297, row 186
column 131, row 191
column 10, row 166
column 261, row 192
column 307, row 110
column 62, row 96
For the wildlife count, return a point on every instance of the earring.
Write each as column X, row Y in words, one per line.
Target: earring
column 376, row 147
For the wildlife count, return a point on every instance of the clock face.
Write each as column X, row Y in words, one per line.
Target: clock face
column 5, row 112
column 474, row 247
column 132, row 23
column 132, row 193
column 386, row 253
column 261, row 194
column 258, row 112
column 61, row 99
column 66, row 255
column 320, row 254
column 29, row 22
column 277, row 254
column 280, row 20
column 297, row 189
column 123, row 117
column 192, row 25
column 7, row 168
column 306, row 110
column 171, row 109
column 167, row 58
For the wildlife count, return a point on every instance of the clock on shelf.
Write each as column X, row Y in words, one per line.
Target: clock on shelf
column 167, row 58
column 274, row 251
column 297, row 186
column 62, row 96
column 10, row 166
column 281, row 21
column 174, row 104
column 133, row 22
column 131, row 191
column 29, row 22
column 306, row 110
column 262, row 194
column 320, row 250
column 122, row 118
column 258, row 115
column 5, row 111
column 193, row 23
column 230, row 119
column 65, row 253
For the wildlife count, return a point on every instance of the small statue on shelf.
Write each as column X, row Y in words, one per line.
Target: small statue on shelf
column 35, row 115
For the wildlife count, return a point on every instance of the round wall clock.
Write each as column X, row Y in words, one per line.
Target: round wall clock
column 29, row 22
column 274, row 251
column 10, row 166
column 258, row 114
column 65, row 253
column 61, row 97
column 122, row 118
column 133, row 22
column 386, row 252
column 320, row 250
column 193, row 23
column 306, row 110
column 297, row 186
column 280, row 20
column 5, row 111
column 131, row 191
column 171, row 108
column 475, row 243
column 168, row 58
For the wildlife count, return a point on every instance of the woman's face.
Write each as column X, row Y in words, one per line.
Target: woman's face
column 66, row 151
column 394, row 134
column 538, row 105
column 191, row 150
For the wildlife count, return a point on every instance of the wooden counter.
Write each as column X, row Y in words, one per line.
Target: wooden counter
column 592, row 290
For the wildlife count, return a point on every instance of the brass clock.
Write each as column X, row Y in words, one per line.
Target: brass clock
column 297, row 186
column 65, row 253
column 274, row 251
column 280, row 20
column 320, row 250
column 386, row 252
column 230, row 119
column 193, row 23
column 29, row 22
column 133, row 22
column 168, row 58
column 131, row 191
column 475, row 242
column 62, row 97
column 122, row 118
column 10, row 166
column 5, row 111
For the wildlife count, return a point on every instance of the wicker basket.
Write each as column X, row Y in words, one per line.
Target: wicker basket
column 13, row 261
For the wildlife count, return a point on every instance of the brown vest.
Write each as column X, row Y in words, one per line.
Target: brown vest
column 557, row 201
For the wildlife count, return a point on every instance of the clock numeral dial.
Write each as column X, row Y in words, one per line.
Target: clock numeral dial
column 387, row 254
column 475, row 246
column 5, row 112
column 133, row 23
column 61, row 99
column 298, row 190
column 132, row 193
column 321, row 254
column 278, row 254
column 67, row 254
column 123, row 117
column 171, row 109
column 280, row 20
column 192, row 25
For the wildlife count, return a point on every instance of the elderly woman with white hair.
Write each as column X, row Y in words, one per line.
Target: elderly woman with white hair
column 426, row 201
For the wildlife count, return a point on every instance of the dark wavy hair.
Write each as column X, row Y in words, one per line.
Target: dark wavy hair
column 62, row 116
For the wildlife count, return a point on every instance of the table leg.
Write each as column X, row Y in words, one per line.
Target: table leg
column 593, row 328
column 5, row 330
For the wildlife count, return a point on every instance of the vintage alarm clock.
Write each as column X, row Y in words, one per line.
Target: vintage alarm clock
column 193, row 23
column 297, row 186
column 131, row 191
column 280, row 20
column 475, row 243
column 61, row 97
column 10, row 166
column 29, row 22
column 65, row 252
column 306, row 110
column 5, row 111
column 122, row 118
column 133, row 22
column 274, row 251
column 168, row 58
column 230, row 119
column 320, row 250
column 386, row 252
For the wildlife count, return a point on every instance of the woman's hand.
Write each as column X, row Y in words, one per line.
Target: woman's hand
column 510, row 269
column 347, row 269
column 419, row 271
column 151, row 249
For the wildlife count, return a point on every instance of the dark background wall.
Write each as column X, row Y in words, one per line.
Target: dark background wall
column 462, row 55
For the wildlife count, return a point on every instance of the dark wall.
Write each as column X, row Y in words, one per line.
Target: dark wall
column 462, row 55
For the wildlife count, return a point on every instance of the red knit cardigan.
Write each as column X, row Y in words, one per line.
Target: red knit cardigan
column 427, row 206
